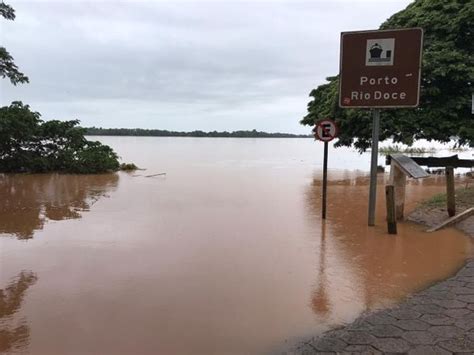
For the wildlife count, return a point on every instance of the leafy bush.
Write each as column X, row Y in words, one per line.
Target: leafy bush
column 128, row 167
column 28, row 144
column 94, row 158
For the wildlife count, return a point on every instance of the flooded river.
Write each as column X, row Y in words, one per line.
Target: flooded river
column 225, row 254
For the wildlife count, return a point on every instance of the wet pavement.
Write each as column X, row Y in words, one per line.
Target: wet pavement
column 438, row 320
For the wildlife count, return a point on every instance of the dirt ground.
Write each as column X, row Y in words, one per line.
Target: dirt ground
column 433, row 212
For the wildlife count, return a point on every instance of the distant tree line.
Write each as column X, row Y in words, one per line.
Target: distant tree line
column 94, row 131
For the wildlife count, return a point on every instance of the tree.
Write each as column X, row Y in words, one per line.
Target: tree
column 446, row 87
column 27, row 144
column 8, row 67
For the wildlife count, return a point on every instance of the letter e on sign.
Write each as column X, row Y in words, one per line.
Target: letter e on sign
column 326, row 130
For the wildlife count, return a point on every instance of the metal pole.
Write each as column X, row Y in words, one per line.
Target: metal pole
column 325, row 178
column 373, row 166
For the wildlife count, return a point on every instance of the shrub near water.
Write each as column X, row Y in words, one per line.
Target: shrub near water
column 129, row 167
column 28, row 144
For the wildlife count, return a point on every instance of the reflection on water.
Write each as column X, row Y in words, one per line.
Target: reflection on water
column 320, row 299
column 27, row 202
column 382, row 268
column 14, row 334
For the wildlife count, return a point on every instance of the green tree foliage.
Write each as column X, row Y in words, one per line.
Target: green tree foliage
column 28, row 144
column 444, row 113
column 6, row 11
column 7, row 65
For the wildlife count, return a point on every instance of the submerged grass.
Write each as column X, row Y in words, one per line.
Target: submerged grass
column 128, row 167
column 459, row 149
column 395, row 148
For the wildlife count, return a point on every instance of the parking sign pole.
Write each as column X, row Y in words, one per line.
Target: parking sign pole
column 325, row 178
column 325, row 131
column 373, row 166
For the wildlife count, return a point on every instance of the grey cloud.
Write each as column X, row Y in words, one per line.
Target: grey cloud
column 234, row 65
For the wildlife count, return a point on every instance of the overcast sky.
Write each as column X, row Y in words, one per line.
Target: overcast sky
column 180, row 65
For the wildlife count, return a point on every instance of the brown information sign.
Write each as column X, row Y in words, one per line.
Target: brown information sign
column 380, row 69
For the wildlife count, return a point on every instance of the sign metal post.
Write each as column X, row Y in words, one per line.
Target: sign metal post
column 325, row 178
column 379, row 69
column 373, row 165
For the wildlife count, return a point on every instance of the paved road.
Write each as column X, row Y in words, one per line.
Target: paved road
column 439, row 320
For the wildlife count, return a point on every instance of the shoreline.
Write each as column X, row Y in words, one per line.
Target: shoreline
column 430, row 215
column 436, row 320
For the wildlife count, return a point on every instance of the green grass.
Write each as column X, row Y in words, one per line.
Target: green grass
column 438, row 200
column 464, row 198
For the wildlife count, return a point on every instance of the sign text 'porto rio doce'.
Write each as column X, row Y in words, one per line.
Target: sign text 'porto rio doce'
column 380, row 69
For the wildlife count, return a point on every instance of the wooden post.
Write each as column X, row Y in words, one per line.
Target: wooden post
column 398, row 179
column 391, row 214
column 450, row 193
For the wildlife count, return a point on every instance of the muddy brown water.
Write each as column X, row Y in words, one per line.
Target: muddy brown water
column 226, row 254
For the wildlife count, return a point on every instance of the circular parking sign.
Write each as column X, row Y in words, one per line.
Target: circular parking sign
column 325, row 130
